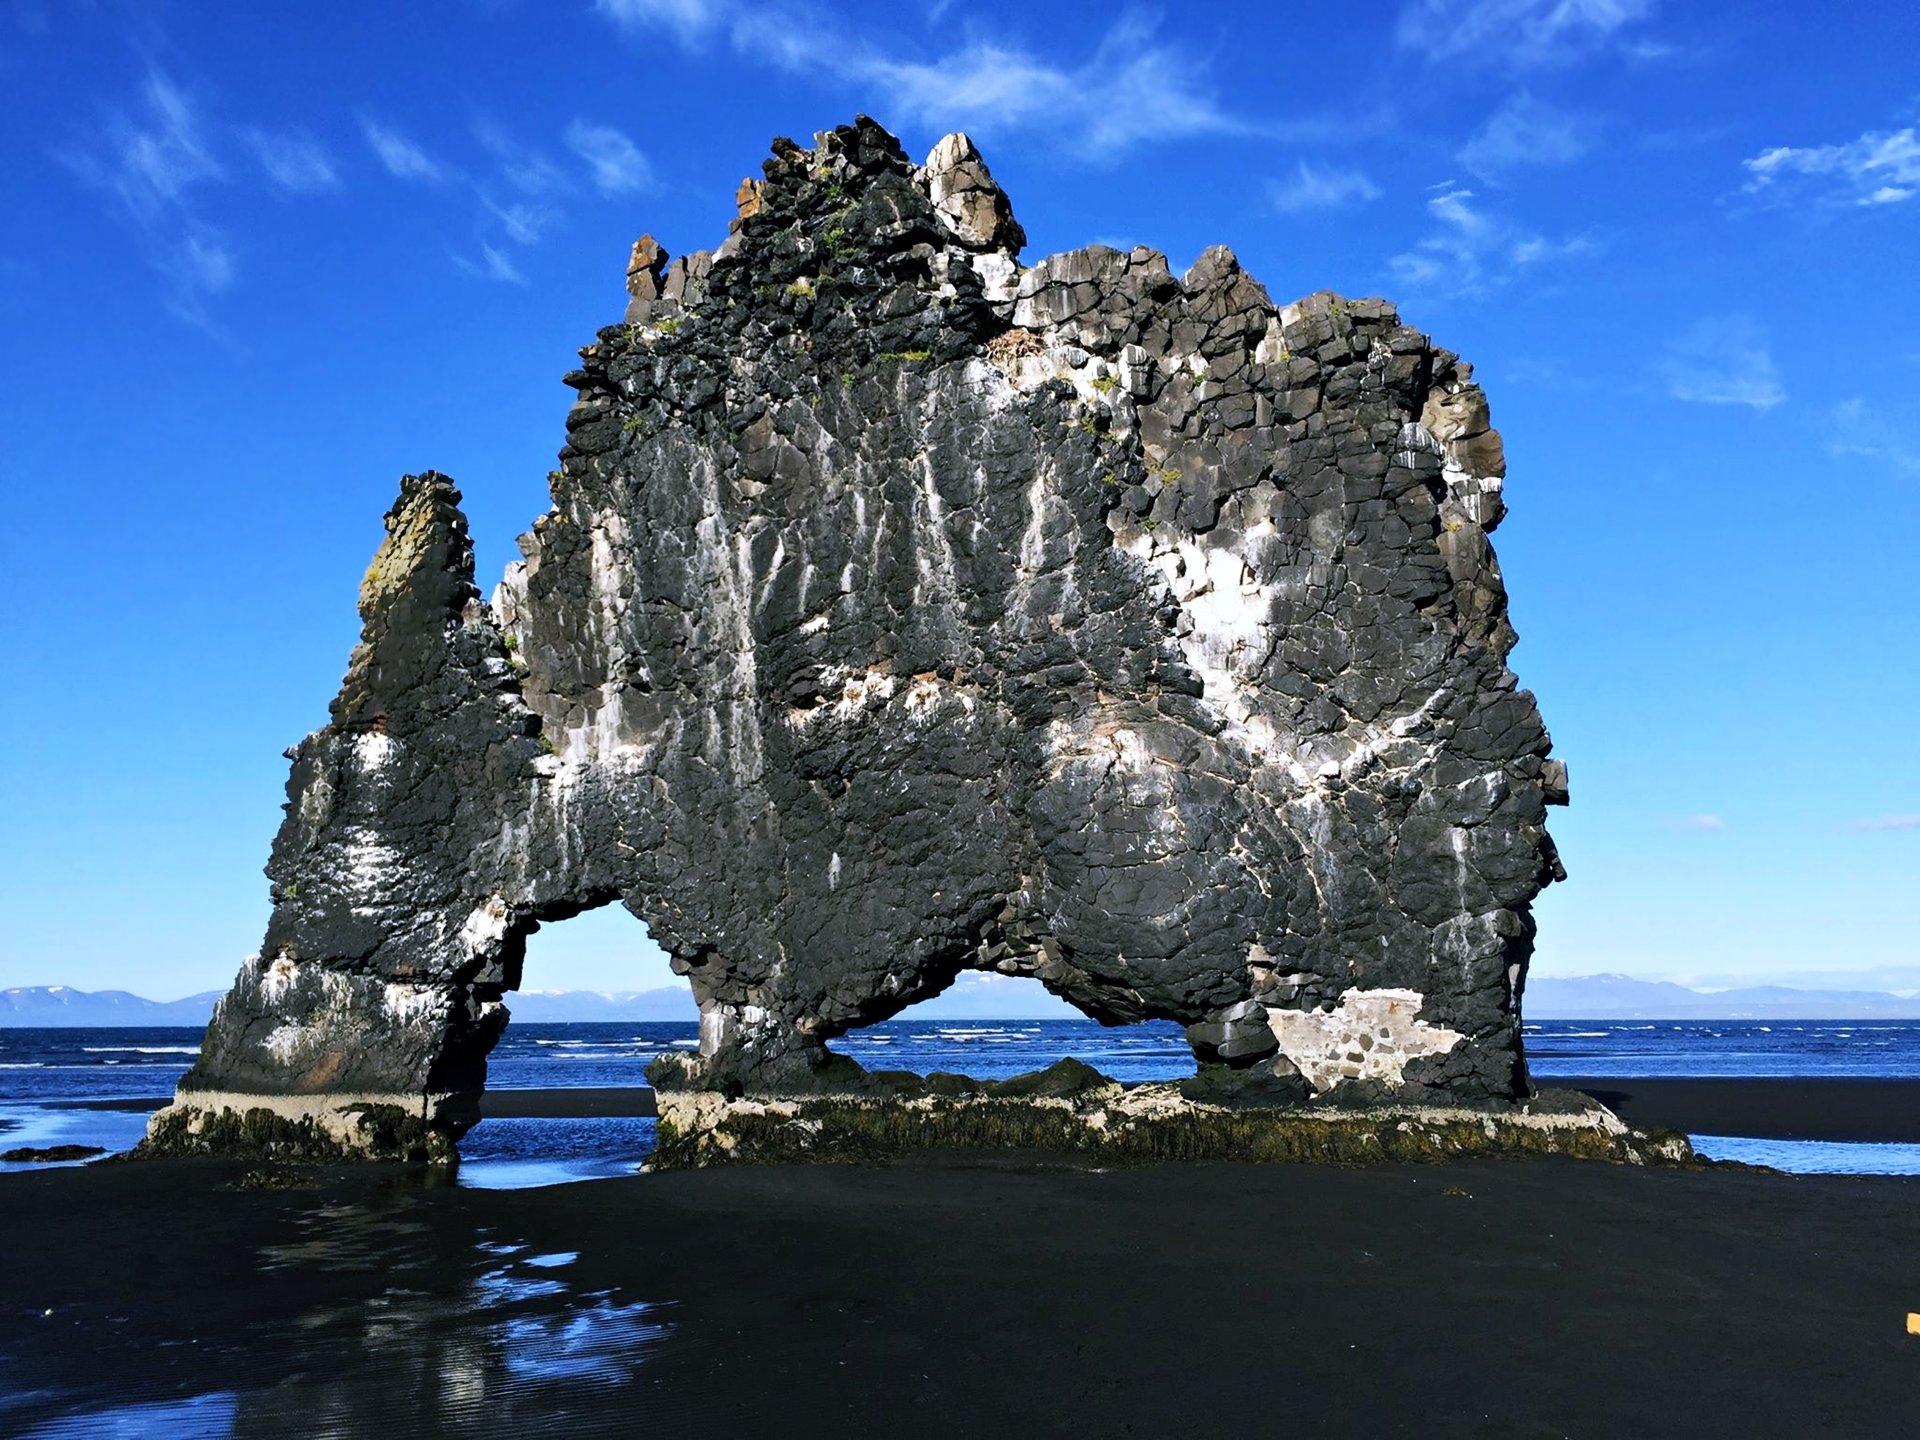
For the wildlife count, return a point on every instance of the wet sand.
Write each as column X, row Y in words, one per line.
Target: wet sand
column 955, row 1296
column 1834, row 1108
column 610, row 1102
column 1784, row 1109
column 571, row 1103
column 1829, row 1108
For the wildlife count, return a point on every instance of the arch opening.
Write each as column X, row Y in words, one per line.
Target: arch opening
column 989, row 1027
column 592, row 999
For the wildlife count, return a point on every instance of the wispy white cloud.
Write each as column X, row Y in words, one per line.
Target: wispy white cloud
column 1703, row 822
column 403, row 159
column 519, row 192
column 1723, row 360
column 1875, row 437
column 688, row 20
column 149, row 163
column 1523, row 33
column 492, row 263
column 1133, row 86
column 522, row 221
column 206, row 263
column 1879, row 168
column 501, row 267
column 1524, row 131
column 294, row 161
column 518, row 165
column 1316, row 187
column 1887, row 822
column 514, row 189
column 149, row 160
column 1472, row 250
column 614, row 161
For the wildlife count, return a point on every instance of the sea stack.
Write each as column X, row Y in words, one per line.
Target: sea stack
column 904, row 609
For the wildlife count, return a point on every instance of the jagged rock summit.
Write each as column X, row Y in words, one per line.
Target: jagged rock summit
column 903, row 609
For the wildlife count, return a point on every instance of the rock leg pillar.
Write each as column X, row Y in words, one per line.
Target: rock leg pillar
column 363, row 1025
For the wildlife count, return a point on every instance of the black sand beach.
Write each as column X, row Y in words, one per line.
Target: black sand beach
column 1872, row 1110
column 1824, row 1108
column 972, row 1296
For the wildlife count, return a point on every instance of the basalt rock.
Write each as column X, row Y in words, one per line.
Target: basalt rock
column 1108, row 1123
column 50, row 1154
column 901, row 610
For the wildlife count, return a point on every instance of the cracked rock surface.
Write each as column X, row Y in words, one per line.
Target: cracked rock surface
column 903, row 609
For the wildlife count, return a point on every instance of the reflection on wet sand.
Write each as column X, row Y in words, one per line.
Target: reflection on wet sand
column 427, row 1333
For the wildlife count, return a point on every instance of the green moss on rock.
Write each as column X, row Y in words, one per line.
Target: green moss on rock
column 379, row 1132
column 1149, row 1124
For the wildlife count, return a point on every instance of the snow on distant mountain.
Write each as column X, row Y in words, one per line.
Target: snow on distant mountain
column 564, row 1007
column 976, row 995
column 52, row 1005
column 983, row 995
column 1625, row 997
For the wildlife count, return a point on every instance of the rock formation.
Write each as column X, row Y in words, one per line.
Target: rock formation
column 902, row 609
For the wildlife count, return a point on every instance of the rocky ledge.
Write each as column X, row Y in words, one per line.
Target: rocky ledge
column 903, row 608
column 1073, row 1109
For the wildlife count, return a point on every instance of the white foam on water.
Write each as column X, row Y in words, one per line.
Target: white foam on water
column 202, row 1415
column 532, row 1174
column 1813, row 1157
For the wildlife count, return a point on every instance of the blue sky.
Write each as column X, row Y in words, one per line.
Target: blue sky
column 259, row 260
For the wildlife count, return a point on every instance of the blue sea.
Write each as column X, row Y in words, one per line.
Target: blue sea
column 82, row 1086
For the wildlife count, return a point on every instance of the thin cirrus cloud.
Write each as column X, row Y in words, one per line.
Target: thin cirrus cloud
column 1133, row 86
column 1471, row 249
column 613, row 161
column 1523, row 132
column 1723, row 360
column 492, row 263
column 517, row 191
column 1703, row 822
column 690, row 21
column 519, row 166
column 1524, row 34
column 1878, row 168
column 1886, row 441
column 1887, row 822
column 501, row 207
column 515, row 221
column 150, row 161
column 401, row 158
column 521, row 221
column 295, row 162
column 1316, row 187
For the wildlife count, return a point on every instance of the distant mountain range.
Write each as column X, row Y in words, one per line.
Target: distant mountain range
column 978, row 995
column 1625, row 997
column 974, row 996
column 561, row 1007
column 64, row 1005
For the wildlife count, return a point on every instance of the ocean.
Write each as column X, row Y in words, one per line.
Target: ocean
column 80, row 1086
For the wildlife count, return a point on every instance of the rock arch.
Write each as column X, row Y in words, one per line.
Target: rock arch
column 900, row 610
